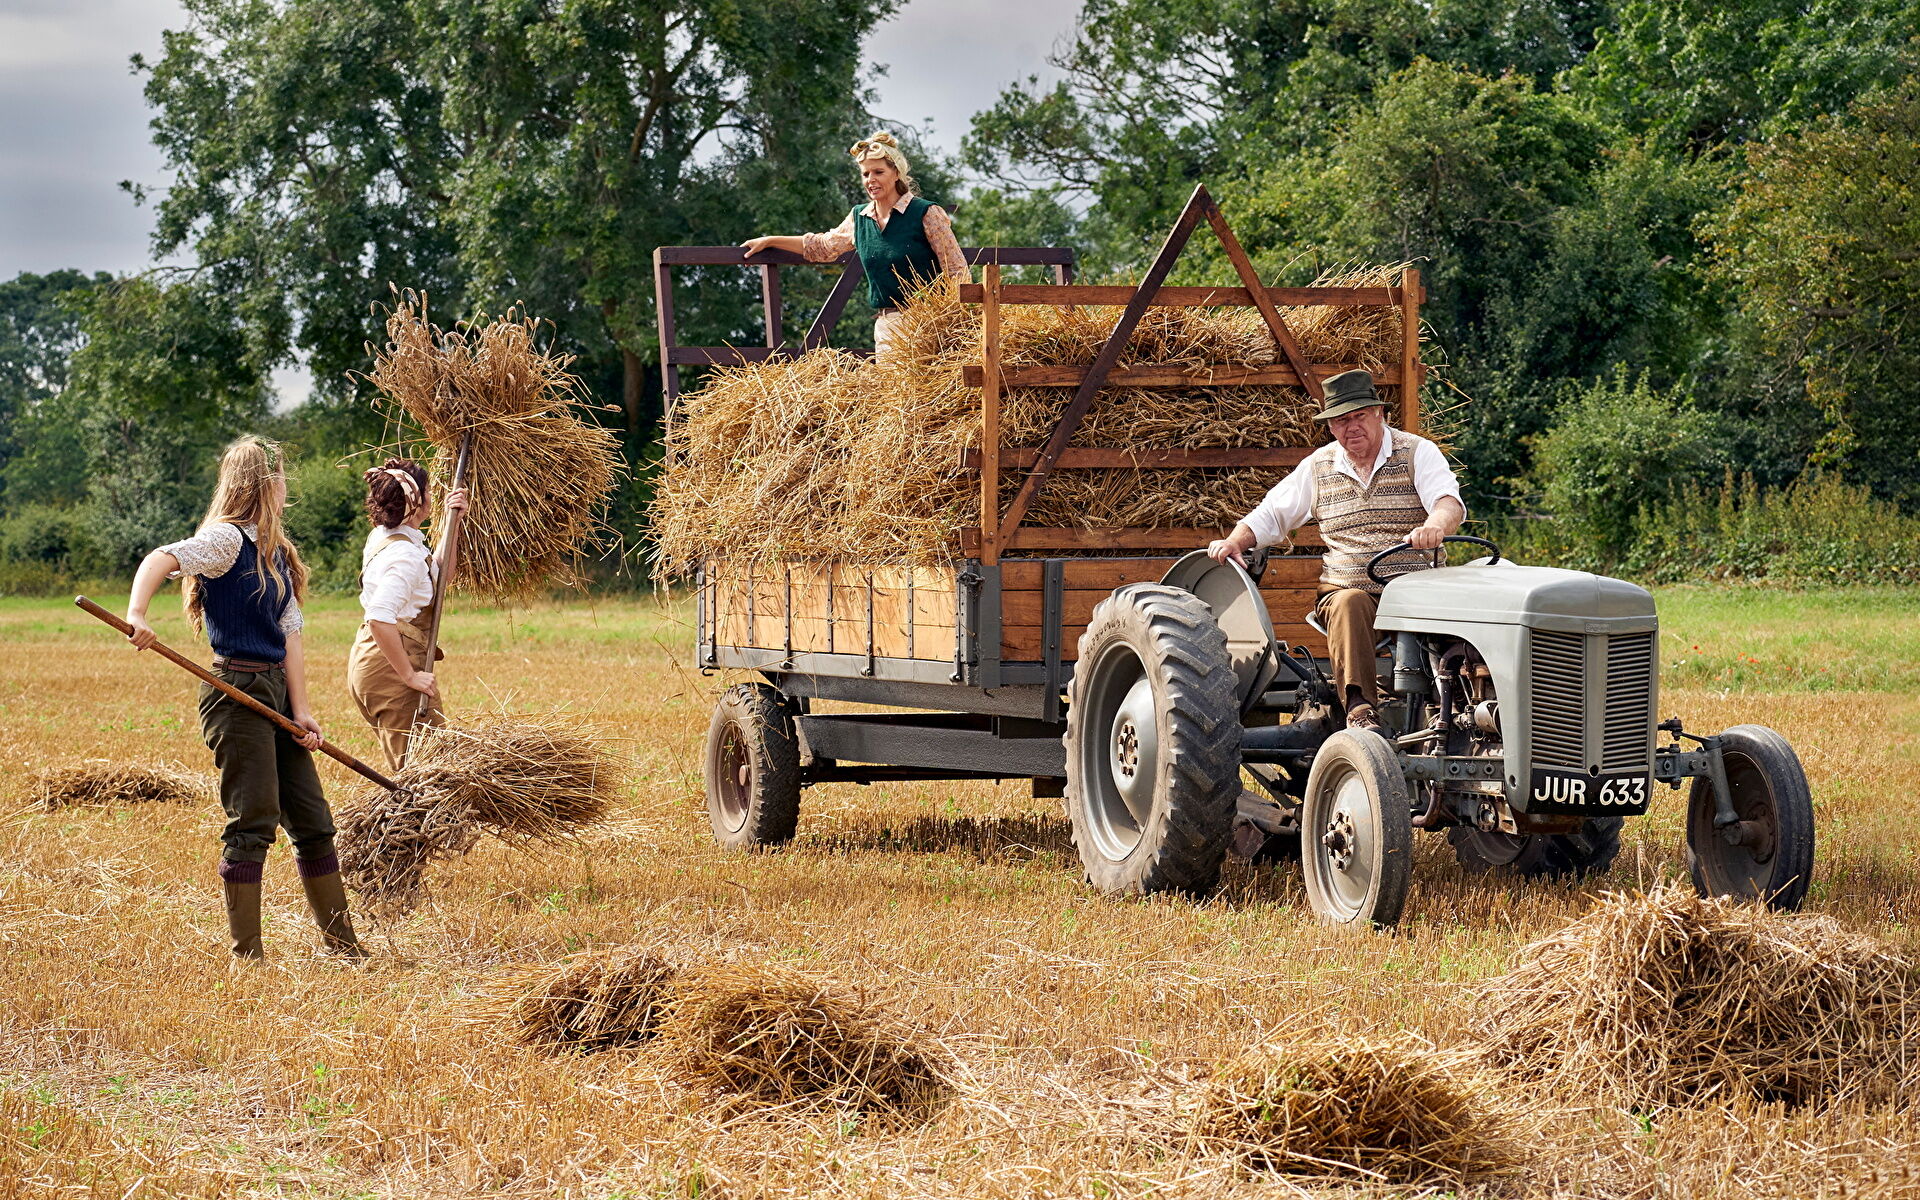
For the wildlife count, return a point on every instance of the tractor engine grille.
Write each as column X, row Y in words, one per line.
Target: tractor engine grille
column 1622, row 686
column 1629, row 711
column 1559, row 699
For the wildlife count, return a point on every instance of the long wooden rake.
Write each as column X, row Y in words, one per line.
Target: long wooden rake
column 207, row 677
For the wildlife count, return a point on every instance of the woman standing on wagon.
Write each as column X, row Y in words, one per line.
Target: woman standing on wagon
column 243, row 581
column 388, row 672
column 903, row 239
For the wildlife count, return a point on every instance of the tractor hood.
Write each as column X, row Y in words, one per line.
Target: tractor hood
column 1504, row 593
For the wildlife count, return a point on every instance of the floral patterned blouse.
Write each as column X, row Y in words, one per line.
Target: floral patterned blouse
column 825, row 247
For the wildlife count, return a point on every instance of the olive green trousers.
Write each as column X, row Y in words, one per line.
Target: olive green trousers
column 267, row 780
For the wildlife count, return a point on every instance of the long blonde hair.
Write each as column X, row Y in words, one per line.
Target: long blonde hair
column 245, row 495
column 884, row 145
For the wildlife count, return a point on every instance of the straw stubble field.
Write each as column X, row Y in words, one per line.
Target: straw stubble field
column 1079, row 1031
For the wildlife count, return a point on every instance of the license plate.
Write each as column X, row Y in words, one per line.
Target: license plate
column 1566, row 791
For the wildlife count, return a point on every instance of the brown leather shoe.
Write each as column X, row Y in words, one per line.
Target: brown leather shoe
column 1361, row 716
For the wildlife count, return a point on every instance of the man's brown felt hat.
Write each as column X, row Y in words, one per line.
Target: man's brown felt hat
column 1349, row 391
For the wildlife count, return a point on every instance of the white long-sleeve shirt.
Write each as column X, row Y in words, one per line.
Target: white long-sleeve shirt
column 396, row 574
column 210, row 554
column 1293, row 501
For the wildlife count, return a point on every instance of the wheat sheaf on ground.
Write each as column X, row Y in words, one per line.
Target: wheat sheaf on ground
column 598, row 1000
column 519, row 778
column 1400, row 1112
column 102, row 783
column 541, row 469
column 834, row 457
column 774, row 1034
column 1664, row 998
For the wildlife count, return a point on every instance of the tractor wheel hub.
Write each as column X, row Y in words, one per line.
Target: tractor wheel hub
column 1339, row 841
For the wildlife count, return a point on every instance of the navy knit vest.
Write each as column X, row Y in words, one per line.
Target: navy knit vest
column 897, row 259
column 241, row 621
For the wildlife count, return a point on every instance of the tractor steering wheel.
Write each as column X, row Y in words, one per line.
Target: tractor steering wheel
column 1397, row 548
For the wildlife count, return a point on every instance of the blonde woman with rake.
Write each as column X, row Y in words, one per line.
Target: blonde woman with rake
column 388, row 672
column 902, row 239
column 243, row 581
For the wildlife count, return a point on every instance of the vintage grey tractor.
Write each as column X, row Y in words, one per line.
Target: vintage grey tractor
column 1520, row 713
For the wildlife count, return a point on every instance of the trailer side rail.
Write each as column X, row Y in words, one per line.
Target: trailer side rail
column 673, row 356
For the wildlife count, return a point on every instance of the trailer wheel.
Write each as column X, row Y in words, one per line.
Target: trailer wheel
column 1769, row 854
column 753, row 768
column 1153, row 743
column 1588, row 850
column 1356, row 831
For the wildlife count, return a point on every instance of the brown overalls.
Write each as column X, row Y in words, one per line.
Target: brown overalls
column 388, row 704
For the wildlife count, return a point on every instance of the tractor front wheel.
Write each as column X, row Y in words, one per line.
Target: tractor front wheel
column 1767, row 854
column 753, row 768
column 1356, row 831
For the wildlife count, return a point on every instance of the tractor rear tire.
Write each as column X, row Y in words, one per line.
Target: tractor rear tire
column 1586, row 851
column 1771, row 795
column 1153, row 743
column 753, row 768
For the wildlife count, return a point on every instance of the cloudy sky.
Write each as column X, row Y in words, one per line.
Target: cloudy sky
column 75, row 125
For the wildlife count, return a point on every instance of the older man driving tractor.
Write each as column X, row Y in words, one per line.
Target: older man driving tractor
column 1372, row 487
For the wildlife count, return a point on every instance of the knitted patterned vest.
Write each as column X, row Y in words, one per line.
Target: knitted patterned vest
column 1358, row 522
column 242, row 621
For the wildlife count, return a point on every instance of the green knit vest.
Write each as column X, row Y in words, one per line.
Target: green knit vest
column 898, row 258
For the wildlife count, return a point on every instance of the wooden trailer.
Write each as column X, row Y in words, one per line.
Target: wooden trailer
column 977, row 655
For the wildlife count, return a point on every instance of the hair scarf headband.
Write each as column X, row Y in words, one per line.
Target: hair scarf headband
column 408, row 488
column 407, row 485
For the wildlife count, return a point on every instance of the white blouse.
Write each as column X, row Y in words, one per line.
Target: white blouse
column 211, row 553
column 396, row 576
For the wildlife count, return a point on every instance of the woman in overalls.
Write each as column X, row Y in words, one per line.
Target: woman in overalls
column 242, row 581
column 903, row 239
column 388, row 672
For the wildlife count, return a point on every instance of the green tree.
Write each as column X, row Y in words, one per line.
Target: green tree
column 40, row 455
column 1820, row 245
column 167, row 375
column 1614, row 451
column 1473, row 178
column 1696, row 74
column 311, row 168
column 995, row 217
column 1159, row 94
column 494, row 151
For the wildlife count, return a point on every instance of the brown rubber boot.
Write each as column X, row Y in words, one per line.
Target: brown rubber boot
column 327, row 897
column 241, row 883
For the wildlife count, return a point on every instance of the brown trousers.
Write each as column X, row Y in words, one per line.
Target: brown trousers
column 1348, row 615
column 388, row 704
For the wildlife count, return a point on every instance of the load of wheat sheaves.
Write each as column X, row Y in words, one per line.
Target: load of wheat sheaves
column 836, row 458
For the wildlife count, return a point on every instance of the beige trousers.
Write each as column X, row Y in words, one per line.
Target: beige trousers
column 884, row 325
column 1348, row 615
column 385, row 700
